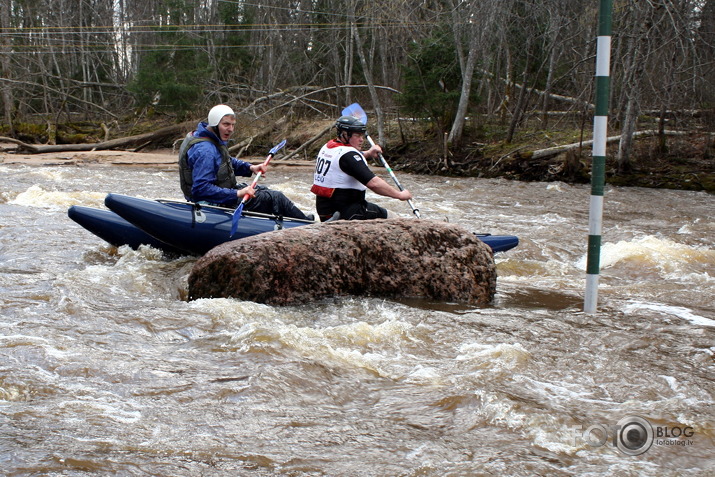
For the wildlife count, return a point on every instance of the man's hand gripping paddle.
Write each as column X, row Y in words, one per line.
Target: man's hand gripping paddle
column 356, row 111
column 239, row 209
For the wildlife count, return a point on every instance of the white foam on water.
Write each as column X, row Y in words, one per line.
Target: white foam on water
column 499, row 411
column 36, row 344
column 36, row 196
column 355, row 343
column 549, row 429
column 297, row 192
column 654, row 253
column 551, row 433
column 20, row 340
column 377, row 347
column 560, row 392
column 677, row 311
column 421, row 374
column 55, row 174
column 131, row 275
column 374, row 347
column 234, row 313
column 530, row 270
column 501, row 355
column 686, row 229
column 92, row 409
column 672, row 382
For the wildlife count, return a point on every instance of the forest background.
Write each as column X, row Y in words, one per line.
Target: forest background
column 478, row 87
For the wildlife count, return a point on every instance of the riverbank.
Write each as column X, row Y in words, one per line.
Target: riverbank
column 685, row 163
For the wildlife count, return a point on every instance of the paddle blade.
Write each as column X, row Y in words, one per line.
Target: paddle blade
column 277, row 147
column 357, row 112
column 235, row 219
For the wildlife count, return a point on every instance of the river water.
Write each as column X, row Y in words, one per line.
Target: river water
column 106, row 369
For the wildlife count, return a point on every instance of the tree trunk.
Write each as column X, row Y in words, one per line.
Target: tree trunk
column 7, row 96
column 508, row 86
column 455, row 134
column 520, row 105
column 638, row 49
column 370, row 83
column 624, row 146
column 553, row 59
column 349, row 63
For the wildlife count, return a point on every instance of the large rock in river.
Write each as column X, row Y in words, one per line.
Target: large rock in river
column 385, row 258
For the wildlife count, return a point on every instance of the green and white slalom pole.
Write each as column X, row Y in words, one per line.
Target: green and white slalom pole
column 598, row 165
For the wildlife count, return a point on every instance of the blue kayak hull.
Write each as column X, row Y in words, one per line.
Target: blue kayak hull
column 189, row 227
column 185, row 228
column 113, row 229
column 499, row 243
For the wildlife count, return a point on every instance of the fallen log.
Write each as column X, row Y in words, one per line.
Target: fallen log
column 136, row 142
column 307, row 143
column 140, row 140
column 553, row 151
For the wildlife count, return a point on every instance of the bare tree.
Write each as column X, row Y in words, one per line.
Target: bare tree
column 635, row 54
column 367, row 72
column 658, row 63
column 471, row 31
column 7, row 73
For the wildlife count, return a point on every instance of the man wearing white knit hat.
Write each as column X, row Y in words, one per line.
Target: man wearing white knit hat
column 208, row 173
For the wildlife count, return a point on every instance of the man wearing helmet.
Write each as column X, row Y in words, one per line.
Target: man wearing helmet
column 207, row 172
column 342, row 176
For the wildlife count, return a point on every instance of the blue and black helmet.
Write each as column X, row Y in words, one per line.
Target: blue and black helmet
column 350, row 124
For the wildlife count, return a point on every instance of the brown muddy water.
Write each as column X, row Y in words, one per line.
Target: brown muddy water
column 106, row 370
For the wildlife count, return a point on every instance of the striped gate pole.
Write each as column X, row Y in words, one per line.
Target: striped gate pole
column 598, row 165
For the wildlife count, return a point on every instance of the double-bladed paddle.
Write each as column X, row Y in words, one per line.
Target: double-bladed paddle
column 239, row 209
column 356, row 111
